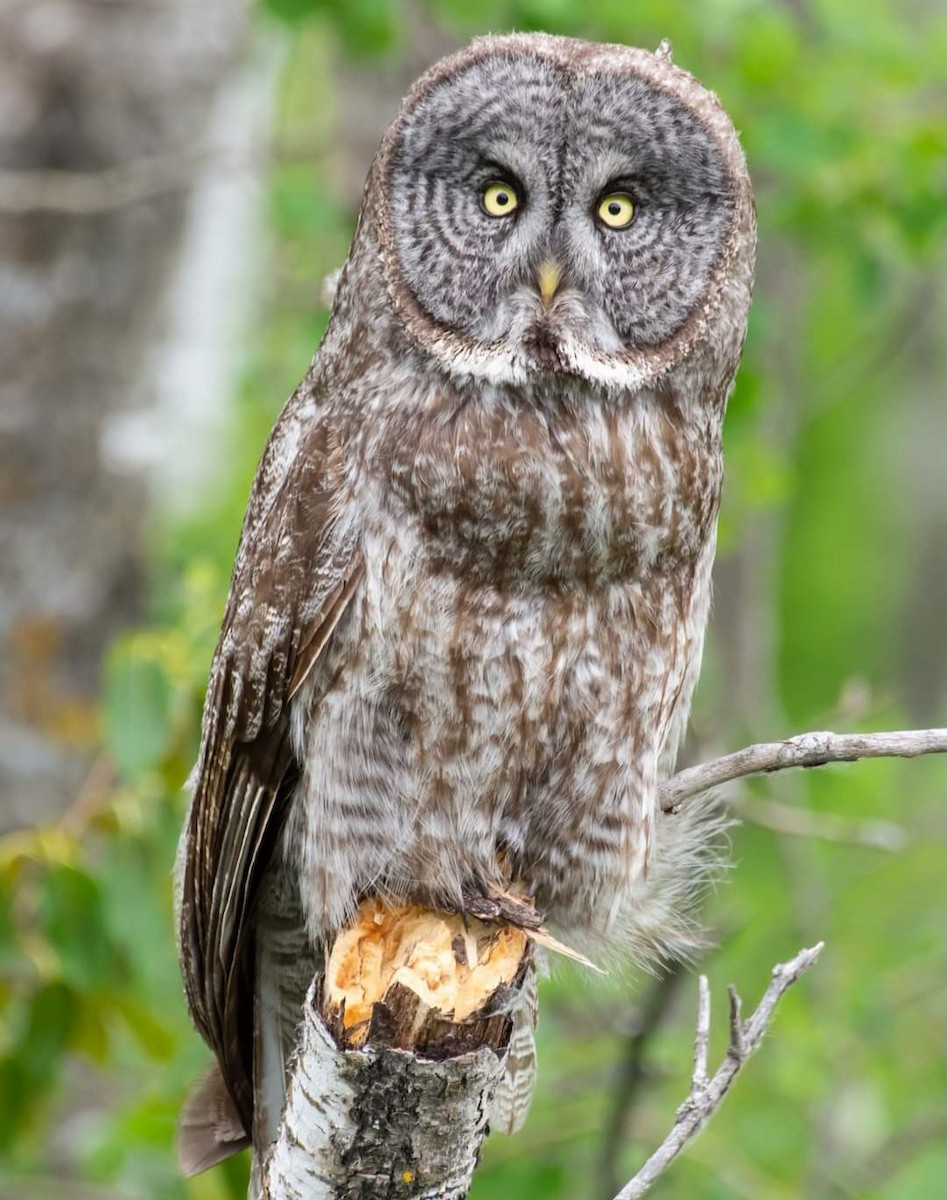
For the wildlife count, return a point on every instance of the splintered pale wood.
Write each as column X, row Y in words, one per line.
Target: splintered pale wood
column 421, row 980
column 404, row 1049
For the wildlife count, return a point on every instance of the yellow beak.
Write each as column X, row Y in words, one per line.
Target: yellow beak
column 548, row 277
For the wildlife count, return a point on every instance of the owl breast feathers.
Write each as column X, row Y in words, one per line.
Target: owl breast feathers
column 469, row 602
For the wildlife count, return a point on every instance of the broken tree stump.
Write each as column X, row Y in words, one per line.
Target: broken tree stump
column 403, row 1059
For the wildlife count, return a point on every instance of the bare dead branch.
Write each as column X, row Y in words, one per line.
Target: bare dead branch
column 401, row 1066
column 705, row 1096
column 85, row 193
column 82, row 193
column 702, row 1037
column 804, row 750
column 299, row 1141
column 363, row 1122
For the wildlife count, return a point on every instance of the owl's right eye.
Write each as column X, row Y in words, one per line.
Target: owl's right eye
column 499, row 199
column 616, row 210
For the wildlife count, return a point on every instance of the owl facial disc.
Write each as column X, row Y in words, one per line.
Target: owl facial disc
column 561, row 208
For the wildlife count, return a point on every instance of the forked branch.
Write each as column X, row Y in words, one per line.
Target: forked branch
column 706, row 1094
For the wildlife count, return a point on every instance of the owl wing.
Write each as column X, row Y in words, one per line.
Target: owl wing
column 297, row 569
column 509, row 1104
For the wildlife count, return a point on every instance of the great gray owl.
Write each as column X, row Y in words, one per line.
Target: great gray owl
column 469, row 601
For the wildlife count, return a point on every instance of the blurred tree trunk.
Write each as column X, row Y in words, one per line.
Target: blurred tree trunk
column 86, row 86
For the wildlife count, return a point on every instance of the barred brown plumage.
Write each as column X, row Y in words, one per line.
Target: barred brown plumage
column 468, row 607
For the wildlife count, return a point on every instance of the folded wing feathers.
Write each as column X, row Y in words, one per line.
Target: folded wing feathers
column 295, row 574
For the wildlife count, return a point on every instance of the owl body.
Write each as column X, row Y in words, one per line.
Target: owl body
column 519, row 655
column 469, row 601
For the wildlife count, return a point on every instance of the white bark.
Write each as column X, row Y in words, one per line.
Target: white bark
column 372, row 1124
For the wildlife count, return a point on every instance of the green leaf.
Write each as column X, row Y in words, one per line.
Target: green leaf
column 72, row 917
column 138, row 701
column 13, row 1095
column 9, row 950
column 293, row 11
column 50, row 1021
column 155, row 1038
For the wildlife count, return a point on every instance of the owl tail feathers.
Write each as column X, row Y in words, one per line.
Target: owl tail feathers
column 209, row 1129
column 660, row 921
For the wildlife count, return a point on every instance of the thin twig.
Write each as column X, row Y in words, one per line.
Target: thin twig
column 704, row 1099
column 828, row 827
column 804, row 750
column 702, row 1036
column 95, row 794
column 633, row 1074
column 735, row 1047
column 83, row 193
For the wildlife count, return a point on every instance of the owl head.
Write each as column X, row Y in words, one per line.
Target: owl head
column 543, row 205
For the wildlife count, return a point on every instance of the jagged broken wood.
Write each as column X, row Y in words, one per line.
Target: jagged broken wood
column 404, row 1049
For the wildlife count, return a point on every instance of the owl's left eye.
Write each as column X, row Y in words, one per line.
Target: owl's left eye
column 499, row 199
column 616, row 210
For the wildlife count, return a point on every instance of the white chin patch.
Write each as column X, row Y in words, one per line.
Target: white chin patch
column 513, row 363
column 526, row 343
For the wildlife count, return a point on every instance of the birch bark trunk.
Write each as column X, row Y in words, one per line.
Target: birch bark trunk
column 380, row 1124
column 417, row 1040
column 86, row 90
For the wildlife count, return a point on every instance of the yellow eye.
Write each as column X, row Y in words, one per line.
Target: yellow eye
column 499, row 199
column 617, row 210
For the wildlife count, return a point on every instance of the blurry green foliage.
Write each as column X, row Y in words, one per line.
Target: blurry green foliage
column 839, row 106
column 365, row 27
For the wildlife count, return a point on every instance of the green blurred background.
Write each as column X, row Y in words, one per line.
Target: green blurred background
column 830, row 613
